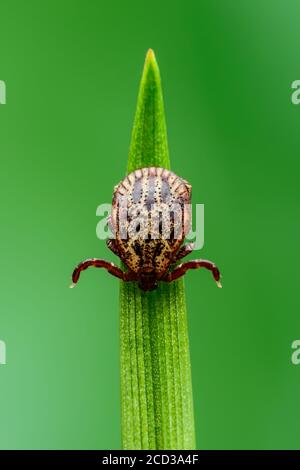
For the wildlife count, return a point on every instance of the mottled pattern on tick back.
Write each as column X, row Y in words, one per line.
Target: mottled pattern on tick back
column 157, row 190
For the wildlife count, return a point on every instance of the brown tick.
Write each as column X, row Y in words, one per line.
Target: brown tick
column 149, row 220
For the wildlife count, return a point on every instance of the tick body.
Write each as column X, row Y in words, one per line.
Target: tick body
column 150, row 218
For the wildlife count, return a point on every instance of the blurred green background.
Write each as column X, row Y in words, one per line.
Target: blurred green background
column 72, row 71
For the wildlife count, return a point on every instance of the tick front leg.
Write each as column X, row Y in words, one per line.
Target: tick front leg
column 194, row 264
column 111, row 244
column 100, row 263
column 110, row 225
column 184, row 251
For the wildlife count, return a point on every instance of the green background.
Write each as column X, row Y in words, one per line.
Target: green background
column 72, row 71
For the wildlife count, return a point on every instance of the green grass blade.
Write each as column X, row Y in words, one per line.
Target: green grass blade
column 149, row 145
column 156, row 387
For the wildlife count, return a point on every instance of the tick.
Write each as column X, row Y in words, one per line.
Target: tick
column 150, row 219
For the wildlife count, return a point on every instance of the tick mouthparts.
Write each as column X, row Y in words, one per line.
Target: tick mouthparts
column 219, row 284
column 72, row 285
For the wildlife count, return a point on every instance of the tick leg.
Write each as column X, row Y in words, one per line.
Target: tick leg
column 184, row 251
column 194, row 264
column 100, row 263
column 111, row 244
column 109, row 224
